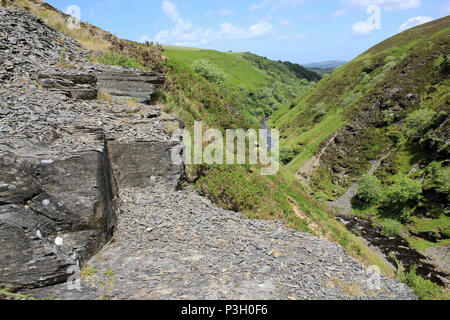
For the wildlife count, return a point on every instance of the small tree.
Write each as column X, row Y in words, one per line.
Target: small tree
column 369, row 189
column 403, row 192
column 391, row 228
column 442, row 184
column 286, row 155
column 419, row 122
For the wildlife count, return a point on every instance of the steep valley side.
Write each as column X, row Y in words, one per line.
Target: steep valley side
column 388, row 106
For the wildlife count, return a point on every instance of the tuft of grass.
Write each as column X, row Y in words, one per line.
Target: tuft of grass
column 116, row 59
column 104, row 96
column 109, row 284
column 7, row 294
column 87, row 272
column 351, row 289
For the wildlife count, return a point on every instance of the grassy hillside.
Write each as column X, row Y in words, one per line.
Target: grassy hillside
column 231, row 104
column 238, row 70
column 391, row 102
column 254, row 86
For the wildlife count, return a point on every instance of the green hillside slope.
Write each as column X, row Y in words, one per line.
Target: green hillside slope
column 391, row 103
column 238, row 70
column 254, row 86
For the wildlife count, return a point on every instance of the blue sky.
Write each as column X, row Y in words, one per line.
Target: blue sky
column 300, row 31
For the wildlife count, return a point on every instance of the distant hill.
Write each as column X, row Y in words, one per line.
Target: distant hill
column 325, row 64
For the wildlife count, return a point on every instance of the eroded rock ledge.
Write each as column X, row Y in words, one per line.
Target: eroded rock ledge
column 64, row 154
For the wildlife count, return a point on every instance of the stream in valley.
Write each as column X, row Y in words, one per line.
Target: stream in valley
column 406, row 255
column 267, row 133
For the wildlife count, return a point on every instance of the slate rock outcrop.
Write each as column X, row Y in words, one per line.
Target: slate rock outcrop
column 58, row 191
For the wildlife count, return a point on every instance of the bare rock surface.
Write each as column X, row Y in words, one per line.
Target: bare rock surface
column 178, row 245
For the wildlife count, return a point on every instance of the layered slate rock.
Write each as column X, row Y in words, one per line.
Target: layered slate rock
column 58, row 191
column 69, row 197
column 77, row 86
column 140, row 85
column 47, row 195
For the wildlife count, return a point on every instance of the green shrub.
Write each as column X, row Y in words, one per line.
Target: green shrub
column 419, row 122
column 442, row 184
column 320, row 112
column 208, row 71
column 388, row 116
column 286, row 155
column 402, row 192
column 406, row 214
column 369, row 189
column 425, row 289
column 391, row 228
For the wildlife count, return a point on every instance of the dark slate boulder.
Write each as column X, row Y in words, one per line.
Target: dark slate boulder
column 69, row 197
column 142, row 164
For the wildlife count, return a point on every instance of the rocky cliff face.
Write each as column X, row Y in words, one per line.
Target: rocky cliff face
column 62, row 158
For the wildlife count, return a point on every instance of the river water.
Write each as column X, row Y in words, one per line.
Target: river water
column 267, row 133
column 406, row 255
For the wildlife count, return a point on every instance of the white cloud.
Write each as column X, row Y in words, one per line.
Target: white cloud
column 226, row 12
column 185, row 33
column 170, row 9
column 228, row 31
column 362, row 29
column 340, row 13
column 415, row 21
column 276, row 4
column 389, row 5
